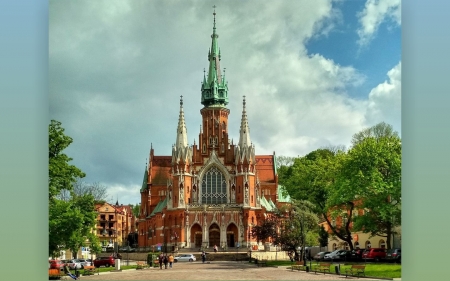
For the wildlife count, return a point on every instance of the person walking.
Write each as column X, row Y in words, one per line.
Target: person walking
column 203, row 256
column 166, row 261
column 160, row 260
column 215, row 248
column 170, row 260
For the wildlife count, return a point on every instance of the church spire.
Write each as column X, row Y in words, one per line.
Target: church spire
column 244, row 134
column 181, row 150
column 181, row 129
column 244, row 150
column 214, row 87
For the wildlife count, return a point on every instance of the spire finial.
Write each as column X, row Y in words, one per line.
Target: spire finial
column 214, row 13
column 181, row 101
column 244, row 103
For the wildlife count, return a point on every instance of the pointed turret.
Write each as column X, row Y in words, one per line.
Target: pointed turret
column 244, row 150
column 244, row 133
column 181, row 150
column 214, row 88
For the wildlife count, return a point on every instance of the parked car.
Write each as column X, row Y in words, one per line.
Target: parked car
column 376, row 254
column 56, row 264
column 333, row 255
column 356, row 254
column 344, row 255
column 106, row 261
column 320, row 256
column 184, row 257
column 74, row 264
column 394, row 255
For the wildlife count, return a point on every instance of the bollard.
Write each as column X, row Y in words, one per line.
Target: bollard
column 307, row 268
column 117, row 264
column 337, row 269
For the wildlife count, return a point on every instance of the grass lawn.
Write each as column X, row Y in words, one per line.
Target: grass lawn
column 384, row 270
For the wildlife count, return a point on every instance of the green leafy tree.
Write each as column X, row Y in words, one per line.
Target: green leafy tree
column 62, row 175
column 323, row 237
column 71, row 216
column 372, row 173
column 313, row 178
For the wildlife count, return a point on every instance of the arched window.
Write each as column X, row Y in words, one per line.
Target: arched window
column 214, row 187
column 334, row 247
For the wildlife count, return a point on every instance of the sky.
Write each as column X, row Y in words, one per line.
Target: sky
column 313, row 72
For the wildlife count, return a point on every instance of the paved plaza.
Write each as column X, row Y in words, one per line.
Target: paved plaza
column 216, row 270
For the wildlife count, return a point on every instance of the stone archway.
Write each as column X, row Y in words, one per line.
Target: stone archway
column 214, row 235
column 196, row 235
column 232, row 235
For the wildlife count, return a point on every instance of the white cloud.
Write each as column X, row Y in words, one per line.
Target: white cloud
column 384, row 103
column 376, row 12
column 116, row 76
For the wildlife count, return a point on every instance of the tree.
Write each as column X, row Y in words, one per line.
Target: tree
column 378, row 131
column 71, row 216
column 267, row 229
column 62, row 175
column 299, row 219
column 372, row 173
column 323, row 237
column 97, row 190
column 312, row 178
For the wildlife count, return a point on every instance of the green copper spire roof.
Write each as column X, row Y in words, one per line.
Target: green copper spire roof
column 214, row 87
column 145, row 180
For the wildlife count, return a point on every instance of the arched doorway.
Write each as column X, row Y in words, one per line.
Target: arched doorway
column 232, row 235
column 356, row 245
column 196, row 235
column 214, row 235
column 368, row 245
column 381, row 244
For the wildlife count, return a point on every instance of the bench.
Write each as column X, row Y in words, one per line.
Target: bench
column 141, row 265
column 55, row 273
column 262, row 263
column 322, row 267
column 355, row 270
column 298, row 265
column 90, row 270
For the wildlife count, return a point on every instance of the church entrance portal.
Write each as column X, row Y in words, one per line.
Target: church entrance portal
column 232, row 235
column 214, row 235
column 196, row 236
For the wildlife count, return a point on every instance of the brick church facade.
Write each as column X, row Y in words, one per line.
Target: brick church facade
column 213, row 192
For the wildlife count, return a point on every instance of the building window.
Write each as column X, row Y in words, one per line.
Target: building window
column 214, row 187
column 204, row 148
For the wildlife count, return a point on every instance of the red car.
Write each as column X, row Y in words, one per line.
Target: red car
column 106, row 261
column 376, row 254
column 56, row 264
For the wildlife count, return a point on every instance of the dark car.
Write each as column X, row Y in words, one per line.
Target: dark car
column 376, row 254
column 394, row 255
column 106, row 261
column 320, row 256
column 344, row 255
column 357, row 254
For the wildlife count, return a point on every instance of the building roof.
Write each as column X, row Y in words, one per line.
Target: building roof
column 266, row 204
column 283, row 197
column 161, row 205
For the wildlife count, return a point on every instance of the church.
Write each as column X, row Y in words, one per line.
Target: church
column 211, row 193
